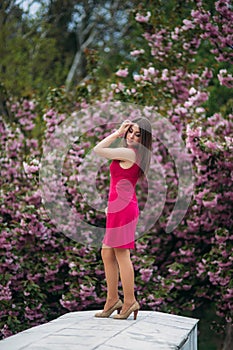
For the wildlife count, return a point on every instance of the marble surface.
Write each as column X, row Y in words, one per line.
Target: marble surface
column 81, row 330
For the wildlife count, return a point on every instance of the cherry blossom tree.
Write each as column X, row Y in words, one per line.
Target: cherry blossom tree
column 44, row 273
column 198, row 255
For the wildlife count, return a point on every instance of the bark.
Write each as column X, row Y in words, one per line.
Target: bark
column 228, row 342
column 77, row 67
column 4, row 110
column 95, row 21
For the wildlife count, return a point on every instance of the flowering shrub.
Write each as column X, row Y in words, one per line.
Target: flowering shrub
column 180, row 93
column 42, row 272
column 187, row 266
column 38, row 264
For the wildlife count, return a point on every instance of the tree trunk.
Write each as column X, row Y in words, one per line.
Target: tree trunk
column 228, row 342
column 4, row 110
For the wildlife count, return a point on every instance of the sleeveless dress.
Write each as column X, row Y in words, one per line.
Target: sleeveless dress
column 123, row 212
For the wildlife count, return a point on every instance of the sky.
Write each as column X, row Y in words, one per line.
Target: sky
column 29, row 5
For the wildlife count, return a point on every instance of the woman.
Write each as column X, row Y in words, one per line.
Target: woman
column 129, row 163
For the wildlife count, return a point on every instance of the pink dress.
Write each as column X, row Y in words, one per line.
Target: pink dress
column 123, row 212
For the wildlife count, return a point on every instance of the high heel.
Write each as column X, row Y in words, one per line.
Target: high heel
column 117, row 306
column 134, row 308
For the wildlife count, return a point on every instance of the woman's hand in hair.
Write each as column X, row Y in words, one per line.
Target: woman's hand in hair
column 103, row 148
column 124, row 127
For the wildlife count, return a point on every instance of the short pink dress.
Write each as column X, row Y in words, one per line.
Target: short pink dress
column 123, row 212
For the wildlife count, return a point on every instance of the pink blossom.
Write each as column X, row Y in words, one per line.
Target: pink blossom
column 158, row 301
column 164, row 76
column 146, row 274
column 181, row 110
column 210, row 203
column 197, row 99
column 211, row 145
column 30, row 169
column 119, row 87
column 201, row 268
column 229, row 141
column 207, row 73
column 188, row 24
column 141, row 18
column 5, row 292
column 29, row 104
column 149, row 72
column 214, row 277
column 174, row 272
column 19, row 113
column 224, row 6
column 186, row 286
column 50, row 113
column 137, row 77
column 5, row 331
column 72, row 264
column 34, row 314
column 192, row 91
column 71, row 305
column 86, row 291
column 122, row 73
column 225, row 79
column 193, row 226
column 187, row 252
column 137, row 52
column 200, row 110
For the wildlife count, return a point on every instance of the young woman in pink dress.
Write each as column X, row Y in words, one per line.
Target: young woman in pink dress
column 129, row 163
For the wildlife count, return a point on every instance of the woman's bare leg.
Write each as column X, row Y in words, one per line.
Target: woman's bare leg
column 127, row 276
column 112, row 275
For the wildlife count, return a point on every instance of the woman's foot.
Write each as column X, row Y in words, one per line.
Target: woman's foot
column 124, row 315
column 127, row 305
column 106, row 313
column 110, row 303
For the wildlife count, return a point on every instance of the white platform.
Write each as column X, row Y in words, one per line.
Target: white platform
column 81, row 330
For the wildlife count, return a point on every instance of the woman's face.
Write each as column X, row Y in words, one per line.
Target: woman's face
column 133, row 136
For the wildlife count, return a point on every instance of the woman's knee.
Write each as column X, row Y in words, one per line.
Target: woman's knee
column 108, row 254
column 122, row 255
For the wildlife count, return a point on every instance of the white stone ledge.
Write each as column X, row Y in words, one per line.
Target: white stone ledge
column 81, row 330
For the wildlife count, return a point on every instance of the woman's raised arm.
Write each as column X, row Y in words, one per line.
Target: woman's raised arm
column 120, row 153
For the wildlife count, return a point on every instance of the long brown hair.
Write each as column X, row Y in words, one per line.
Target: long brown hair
column 145, row 145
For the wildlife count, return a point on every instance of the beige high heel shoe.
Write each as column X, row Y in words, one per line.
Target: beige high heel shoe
column 134, row 308
column 117, row 306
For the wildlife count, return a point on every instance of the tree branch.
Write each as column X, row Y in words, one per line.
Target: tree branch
column 77, row 59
